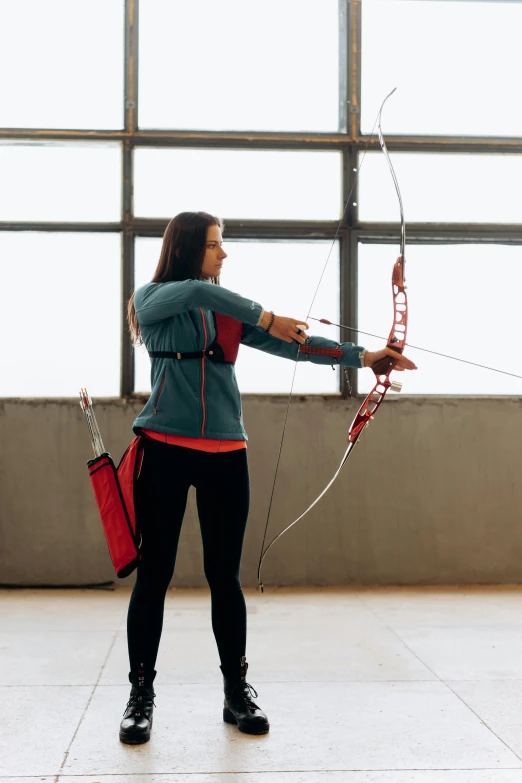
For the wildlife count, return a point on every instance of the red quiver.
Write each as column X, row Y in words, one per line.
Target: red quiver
column 114, row 492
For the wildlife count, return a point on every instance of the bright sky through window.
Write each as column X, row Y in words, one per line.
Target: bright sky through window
column 236, row 65
column 457, row 66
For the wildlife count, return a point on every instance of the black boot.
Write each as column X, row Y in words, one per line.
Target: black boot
column 137, row 718
column 239, row 707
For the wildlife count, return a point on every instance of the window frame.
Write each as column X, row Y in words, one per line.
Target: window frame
column 349, row 140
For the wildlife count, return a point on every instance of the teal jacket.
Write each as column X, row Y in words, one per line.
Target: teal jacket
column 199, row 397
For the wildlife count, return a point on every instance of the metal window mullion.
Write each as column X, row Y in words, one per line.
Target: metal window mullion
column 348, row 254
column 127, row 287
column 69, row 227
column 441, row 145
column 350, row 189
column 252, row 229
column 344, row 259
column 441, row 233
column 131, row 66
column 348, row 314
column 127, row 245
column 354, row 68
column 344, row 308
column 344, row 50
column 258, row 140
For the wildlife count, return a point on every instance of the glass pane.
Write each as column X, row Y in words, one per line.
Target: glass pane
column 450, row 310
column 233, row 65
column 238, row 183
column 65, row 64
column 442, row 188
column 456, row 69
column 72, row 181
column 283, row 277
column 61, row 306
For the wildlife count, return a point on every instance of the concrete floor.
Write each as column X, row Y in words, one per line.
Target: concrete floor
column 364, row 686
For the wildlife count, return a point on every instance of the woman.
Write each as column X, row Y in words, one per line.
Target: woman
column 194, row 436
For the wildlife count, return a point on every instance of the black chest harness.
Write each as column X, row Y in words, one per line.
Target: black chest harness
column 214, row 353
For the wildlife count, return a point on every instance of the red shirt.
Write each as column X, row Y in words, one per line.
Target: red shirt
column 201, row 444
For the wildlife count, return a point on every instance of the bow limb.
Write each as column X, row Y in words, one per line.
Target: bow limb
column 310, row 507
column 360, row 421
column 397, row 336
column 393, row 174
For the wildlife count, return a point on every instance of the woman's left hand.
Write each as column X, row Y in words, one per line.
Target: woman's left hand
column 371, row 357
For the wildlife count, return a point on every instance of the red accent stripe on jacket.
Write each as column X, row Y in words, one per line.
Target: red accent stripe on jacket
column 320, row 351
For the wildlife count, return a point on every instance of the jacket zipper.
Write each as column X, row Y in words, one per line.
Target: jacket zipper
column 203, row 375
column 162, row 384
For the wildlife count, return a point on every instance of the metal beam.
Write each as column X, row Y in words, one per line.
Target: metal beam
column 253, row 229
column 127, row 288
column 49, row 134
column 23, row 225
column 350, row 298
column 349, row 246
column 441, row 233
column 241, row 140
column 387, row 233
column 354, row 72
column 443, row 144
column 131, row 67
column 344, row 49
column 276, row 141
column 348, row 309
column 127, row 245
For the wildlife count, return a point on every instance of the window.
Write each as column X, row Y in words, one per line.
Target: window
column 57, row 181
column 456, row 66
column 239, row 66
column 62, row 64
column 249, row 184
column 440, row 188
column 259, row 114
column 59, row 316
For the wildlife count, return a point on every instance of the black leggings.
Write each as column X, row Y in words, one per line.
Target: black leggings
column 223, row 496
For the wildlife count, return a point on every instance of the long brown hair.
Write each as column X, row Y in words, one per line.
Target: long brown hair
column 181, row 257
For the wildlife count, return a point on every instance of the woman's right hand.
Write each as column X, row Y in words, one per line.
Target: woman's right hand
column 285, row 328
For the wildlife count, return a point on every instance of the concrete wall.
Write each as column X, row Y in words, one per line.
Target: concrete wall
column 433, row 493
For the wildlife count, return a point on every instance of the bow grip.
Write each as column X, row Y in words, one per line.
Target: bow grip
column 384, row 365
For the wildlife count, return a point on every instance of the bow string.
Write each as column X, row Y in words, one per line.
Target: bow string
column 382, row 368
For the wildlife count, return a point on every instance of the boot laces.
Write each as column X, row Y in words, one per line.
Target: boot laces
column 247, row 691
column 136, row 700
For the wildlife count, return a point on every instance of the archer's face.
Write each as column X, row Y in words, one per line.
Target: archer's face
column 214, row 254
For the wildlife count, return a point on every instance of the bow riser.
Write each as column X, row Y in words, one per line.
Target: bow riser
column 370, row 405
column 384, row 367
column 397, row 336
column 400, row 302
